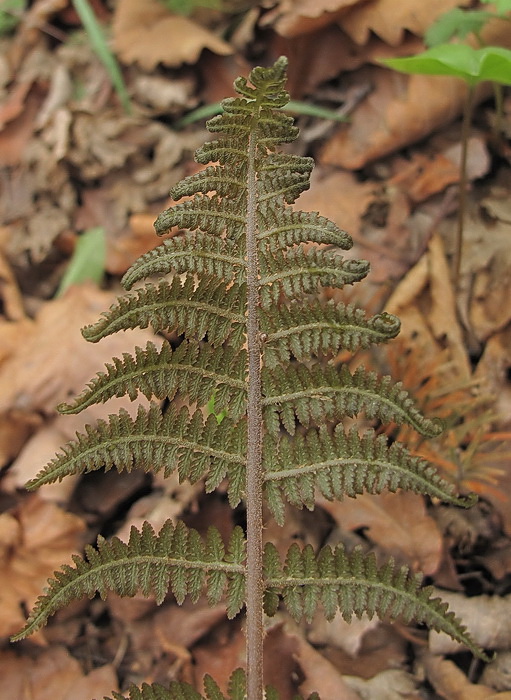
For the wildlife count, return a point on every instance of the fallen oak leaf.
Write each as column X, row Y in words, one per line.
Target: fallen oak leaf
column 147, row 33
column 34, row 541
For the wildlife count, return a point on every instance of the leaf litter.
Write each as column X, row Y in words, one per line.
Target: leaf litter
column 71, row 160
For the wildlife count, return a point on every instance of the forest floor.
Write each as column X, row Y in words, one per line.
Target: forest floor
column 74, row 163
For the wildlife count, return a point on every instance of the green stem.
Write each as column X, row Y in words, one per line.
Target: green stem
column 254, row 483
column 465, row 130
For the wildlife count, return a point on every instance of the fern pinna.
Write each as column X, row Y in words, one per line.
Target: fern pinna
column 239, row 284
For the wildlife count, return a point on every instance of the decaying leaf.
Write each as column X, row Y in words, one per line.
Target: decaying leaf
column 52, row 675
column 147, row 34
column 397, row 522
column 485, row 617
column 389, row 19
column 35, row 539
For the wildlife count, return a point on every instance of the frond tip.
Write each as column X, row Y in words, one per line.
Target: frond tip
column 353, row 584
column 176, row 558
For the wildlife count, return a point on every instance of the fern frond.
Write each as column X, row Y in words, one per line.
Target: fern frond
column 183, row 691
column 188, row 308
column 339, row 464
column 175, row 559
column 283, row 178
column 156, row 441
column 300, row 330
column 317, row 394
column 282, row 228
column 155, row 691
column 195, row 253
column 299, row 272
column 354, row 585
column 213, row 215
column 193, row 370
column 214, row 178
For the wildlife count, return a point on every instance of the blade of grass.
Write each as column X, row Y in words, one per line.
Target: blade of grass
column 297, row 107
column 100, row 46
column 87, row 261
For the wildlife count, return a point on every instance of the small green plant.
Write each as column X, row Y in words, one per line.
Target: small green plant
column 87, row 261
column 473, row 66
column 239, row 285
column 99, row 44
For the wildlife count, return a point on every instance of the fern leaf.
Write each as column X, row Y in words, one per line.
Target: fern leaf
column 176, row 559
column 315, row 395
column 156, row 441
column 354, row 585
column 212, row 215
column 321, row 329
column 183, row 691
column 341, row 464
column 283, row 177
column 282, row 228
column 301, row 272
column 175, row 691
column 214, row 178
column 207, row 308
column 196, row 253
column 197, row 371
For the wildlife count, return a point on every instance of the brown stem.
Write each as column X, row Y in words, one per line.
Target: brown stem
column 465, row 130
column 254, row 483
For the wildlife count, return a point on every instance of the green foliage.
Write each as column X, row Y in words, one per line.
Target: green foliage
column 258, row 347
column 100, row 45
column 186, row 7
column 176, row 559
column 457, row 23
column 354, row 585
column 10, row 14
column 87, row 261
column 502, row 6
column 459, row 61
column 183, row 691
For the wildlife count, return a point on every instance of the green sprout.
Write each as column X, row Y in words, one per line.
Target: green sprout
column 473, row 66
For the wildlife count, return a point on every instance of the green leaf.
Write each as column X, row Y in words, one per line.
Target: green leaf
column 456, row 23
column 502, row 6
column 10, row 14
column 100, row 46
column 87, row 261
column 186, row 7
column 150, row 563
column 459, row 61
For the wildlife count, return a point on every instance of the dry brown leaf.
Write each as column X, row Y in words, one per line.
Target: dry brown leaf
column 392, row 684
column 340, row 197
column 400, row 110
column 450, row 682
column 54, row 362
column 320, row 675
column 147, row 34
column 347, row 636
column 485, row 617
column 397, row 522
column 52, row 675
column 389, row 19
column 35, row 540
column 292, row 18
column 424, row 301
column 424, row 175
column 497, row 674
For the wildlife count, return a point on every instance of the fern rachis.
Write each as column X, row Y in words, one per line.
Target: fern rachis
column 241, row 292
